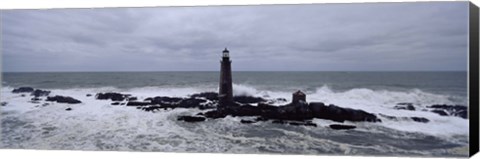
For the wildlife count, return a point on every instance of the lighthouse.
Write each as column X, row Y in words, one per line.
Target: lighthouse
column 225, row 94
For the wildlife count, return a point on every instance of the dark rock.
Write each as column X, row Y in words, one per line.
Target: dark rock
column 23, row 95
column 404, row 106
column 39, row 93
column 310, row 124
column 190, row 103
column 342, row 127
column 115, row 103
column 68, row 109
column 439, row 112
column 215, row 114
column 247, row 121
column 261, row 119
column 335, row 113
column 191, row 118
column 89, row 95
column 213, row 96
column 206, row 105
column 35, row 99
column 281, row 99
column 245, row 110
column 62, row 99
column 131, row 103
column 112, row 96
column 300, row 111
column 248, row 99
column 453, row 110
column 45, row 104
column 152, row 108
column 164, row 100
column 4, row 103
column 132, row 98
column 279, row 122
column 420, row 119
column 23, row 90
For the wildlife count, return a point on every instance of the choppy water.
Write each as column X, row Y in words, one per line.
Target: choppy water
column 96, row 125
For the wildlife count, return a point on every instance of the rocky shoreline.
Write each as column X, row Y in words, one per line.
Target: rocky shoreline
column 298, row 113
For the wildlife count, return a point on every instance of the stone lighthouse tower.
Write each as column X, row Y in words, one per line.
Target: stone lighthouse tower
column 225, row 94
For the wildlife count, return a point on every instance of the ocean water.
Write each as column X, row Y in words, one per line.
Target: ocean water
column 96, row 125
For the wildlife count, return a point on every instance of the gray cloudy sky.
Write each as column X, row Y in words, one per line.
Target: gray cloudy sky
column 321, row 37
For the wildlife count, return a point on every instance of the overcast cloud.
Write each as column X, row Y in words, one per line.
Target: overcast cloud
column 322, row 37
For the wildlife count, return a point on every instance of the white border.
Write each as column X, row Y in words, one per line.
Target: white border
column 47, row 4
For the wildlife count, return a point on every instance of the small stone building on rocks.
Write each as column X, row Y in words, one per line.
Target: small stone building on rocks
column 298, row 97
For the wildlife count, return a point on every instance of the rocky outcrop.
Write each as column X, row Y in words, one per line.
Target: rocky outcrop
column 248, row 99
column 4, row 103
column 340, row 114
column 247, row 121
column 163, row 100
column 63, row 99
column 191, row 118
column 112, row 96
column 404, row 106
column 341, row 127
column 295, row 112
column 134, row 103
column 451, row 110
column 190, row 103
column 420, row 119
column 23, row 90
column 204, row 100
column 39, row 93
column 132, row 98
column 33, row 92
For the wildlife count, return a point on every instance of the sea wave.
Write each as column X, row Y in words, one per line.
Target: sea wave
column 373, row 101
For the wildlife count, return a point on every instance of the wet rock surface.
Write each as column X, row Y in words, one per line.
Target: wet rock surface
column 112, row 96
column 39, row 93
column 420, row 119
column 191, row 118
column 23, row 90
column 450, row 110
column 63, row 99
column 295, row 112
column 342, row 127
